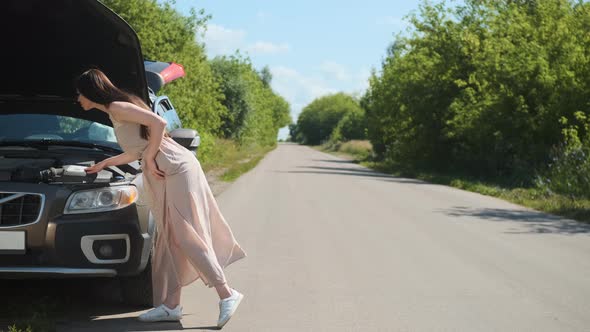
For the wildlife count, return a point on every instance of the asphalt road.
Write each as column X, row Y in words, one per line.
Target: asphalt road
column 333, row 246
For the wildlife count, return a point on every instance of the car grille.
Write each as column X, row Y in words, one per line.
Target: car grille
column 19, row 208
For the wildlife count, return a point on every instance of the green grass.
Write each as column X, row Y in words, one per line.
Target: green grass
column 238, row 169
column 535, row 198
column 356, row 149
column 14, row 328
column 233, row 160
column 33, row 311
column 532, row 197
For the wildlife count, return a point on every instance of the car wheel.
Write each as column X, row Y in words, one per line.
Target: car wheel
column 137, row 290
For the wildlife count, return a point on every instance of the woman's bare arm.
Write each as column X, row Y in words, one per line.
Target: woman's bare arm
column 124, row 111
column 123, row 158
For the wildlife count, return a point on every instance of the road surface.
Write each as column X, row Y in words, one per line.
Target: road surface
column 333, row 246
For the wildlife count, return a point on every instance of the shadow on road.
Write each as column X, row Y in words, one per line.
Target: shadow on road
column 335, row 173
column 537, row 222
column 73, row 305
column 362, row 172
column 343, row 161
column 127, row 324
column 347, row 169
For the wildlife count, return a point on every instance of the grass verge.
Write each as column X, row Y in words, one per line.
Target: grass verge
column 36, row 307
column 38, row 317
column 232, row 160
column 358, row 150
column 535, row 198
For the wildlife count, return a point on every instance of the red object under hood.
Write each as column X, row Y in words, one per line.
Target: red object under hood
column 160, row 73
column 172, row 72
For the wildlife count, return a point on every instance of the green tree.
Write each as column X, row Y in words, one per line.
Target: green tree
column 167, row 35
column 265, row 76
column 254, row 111
column 318, row 120
column 231, row 72
column 223, row 97
column 481, row 86
column 353, row 125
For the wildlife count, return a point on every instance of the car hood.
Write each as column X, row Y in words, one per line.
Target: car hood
column 47, row 44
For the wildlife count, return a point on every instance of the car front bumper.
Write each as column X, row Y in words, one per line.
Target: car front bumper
column 50, row 272
column 102, row 244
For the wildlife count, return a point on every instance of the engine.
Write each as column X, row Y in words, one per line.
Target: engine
column 51, row 171
column 65, row 174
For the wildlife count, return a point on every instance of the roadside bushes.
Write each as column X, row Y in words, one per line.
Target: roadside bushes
column 337, row 116
column 568, row 172
column 254, row 111
column 494, row 89
column 224, row 97
column 166, row 35
column 481, row 88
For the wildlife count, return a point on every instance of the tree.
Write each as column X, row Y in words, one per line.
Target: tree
column 254, row 111
column 318, row 120
column 265, row 76
column 166, row 35
column 223, row 97
column 482, row 86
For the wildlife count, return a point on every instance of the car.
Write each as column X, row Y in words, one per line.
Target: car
column 161, row 73
column 56, row 220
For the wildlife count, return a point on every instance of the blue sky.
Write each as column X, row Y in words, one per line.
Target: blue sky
column 312, row 47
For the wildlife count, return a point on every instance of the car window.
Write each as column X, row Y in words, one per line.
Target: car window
column 167, row 104
column 160, row 109
column 48, row 126
column 169, row 114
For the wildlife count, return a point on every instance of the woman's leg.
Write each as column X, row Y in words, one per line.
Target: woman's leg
column 173, row 300
column 223, row 291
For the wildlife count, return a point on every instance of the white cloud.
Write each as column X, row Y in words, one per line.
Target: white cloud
column 335, row 71
column 220, row 40
column 297, row 88
column 363, row 80
column 300, row 90
column 268, row 48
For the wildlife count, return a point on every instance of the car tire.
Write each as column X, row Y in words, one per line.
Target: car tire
column 137, row 290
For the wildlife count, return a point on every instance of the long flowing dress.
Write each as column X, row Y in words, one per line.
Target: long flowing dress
column 193, row 239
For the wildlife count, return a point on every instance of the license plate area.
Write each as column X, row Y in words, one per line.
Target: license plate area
column 12, row 242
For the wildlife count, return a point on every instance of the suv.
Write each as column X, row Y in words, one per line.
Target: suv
column 158, row 74
column 56, row 220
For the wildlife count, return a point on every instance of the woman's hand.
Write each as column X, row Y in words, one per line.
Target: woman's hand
column 95, row 168
column 152, row 167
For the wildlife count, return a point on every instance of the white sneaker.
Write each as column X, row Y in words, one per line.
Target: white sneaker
column 228, row 306
column 161, row 313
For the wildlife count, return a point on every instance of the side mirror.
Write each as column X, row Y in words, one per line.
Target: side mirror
column 189, row 138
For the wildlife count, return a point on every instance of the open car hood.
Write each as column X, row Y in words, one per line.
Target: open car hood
column 47, row 44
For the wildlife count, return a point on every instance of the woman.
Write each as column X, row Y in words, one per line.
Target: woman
column 193, row 239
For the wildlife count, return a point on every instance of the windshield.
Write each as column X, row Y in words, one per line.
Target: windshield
column 38, row 127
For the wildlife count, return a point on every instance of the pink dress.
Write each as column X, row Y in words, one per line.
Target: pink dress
column 193, row 239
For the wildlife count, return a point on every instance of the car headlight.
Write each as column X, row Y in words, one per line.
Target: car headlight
column 99, row 200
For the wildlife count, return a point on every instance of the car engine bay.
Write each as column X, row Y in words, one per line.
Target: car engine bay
column 60, row 170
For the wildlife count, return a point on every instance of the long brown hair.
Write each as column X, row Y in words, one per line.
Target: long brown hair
column 96, row 86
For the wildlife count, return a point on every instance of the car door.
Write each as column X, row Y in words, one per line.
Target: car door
column 163, row 107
